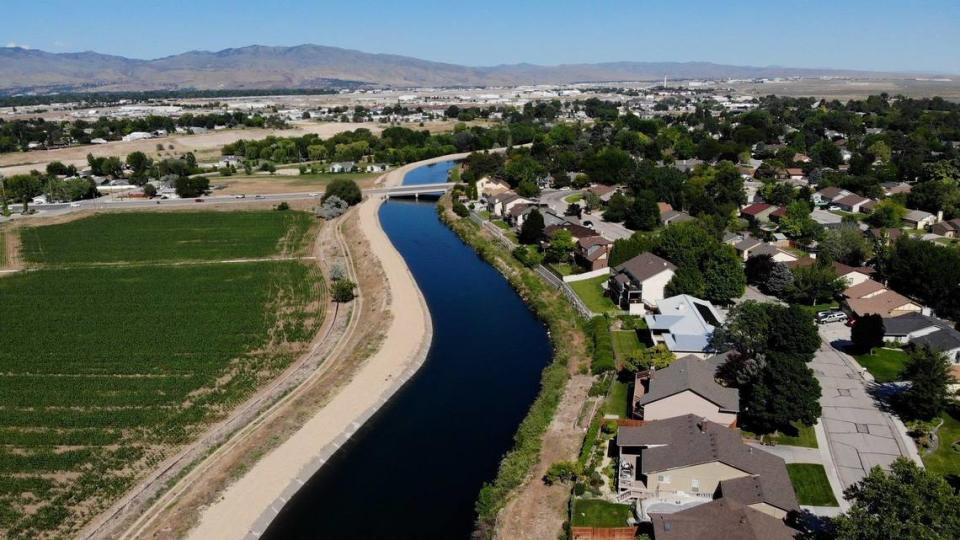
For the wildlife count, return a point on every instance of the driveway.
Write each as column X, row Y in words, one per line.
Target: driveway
column 859, row 434
column 554, row 199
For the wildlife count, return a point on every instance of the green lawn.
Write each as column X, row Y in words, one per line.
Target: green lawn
column 485, row 214
column 625, row 342
column 576, row 197
column 502, row 224
column 563, row 269
column 166, row 236
column 599, row 513
column 946, row 459
column 3, row 248
column 810, row 483
column 618, row 400
column 797, row 435
column 592, row 294
column 884, row 364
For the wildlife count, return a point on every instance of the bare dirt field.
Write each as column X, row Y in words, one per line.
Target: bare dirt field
column 206, row 145
column 846, row 89
column 236, row 185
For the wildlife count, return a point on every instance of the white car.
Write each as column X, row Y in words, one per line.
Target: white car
column 74, row 205
column 831, row 316
column 240, row 196
column 833, row 208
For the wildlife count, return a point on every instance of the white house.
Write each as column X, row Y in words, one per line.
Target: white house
column 137, row 136
column 685, row 324
column 918, row 219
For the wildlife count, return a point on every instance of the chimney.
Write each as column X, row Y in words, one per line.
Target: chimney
column 939, row 216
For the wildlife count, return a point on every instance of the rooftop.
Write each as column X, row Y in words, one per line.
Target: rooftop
column 693, row 374
column 722, row 518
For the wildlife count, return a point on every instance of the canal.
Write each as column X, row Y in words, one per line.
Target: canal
column 414, row 470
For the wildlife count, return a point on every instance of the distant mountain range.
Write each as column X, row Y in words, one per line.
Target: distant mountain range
column 316, row 66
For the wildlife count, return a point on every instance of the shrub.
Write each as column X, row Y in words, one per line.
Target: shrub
column 345, row 189
column 343, row 290
column 603, row 359
column 283, row 206
column 460, row 210
column 561, row 471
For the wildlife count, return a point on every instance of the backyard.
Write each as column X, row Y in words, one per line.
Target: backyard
column 945, row 459
column 618, row 400
column 810, row 484
column 884, row 364
column 600, row 513
column 592, row 293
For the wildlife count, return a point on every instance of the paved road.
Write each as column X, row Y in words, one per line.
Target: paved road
column 554, row 199
column 858, row 434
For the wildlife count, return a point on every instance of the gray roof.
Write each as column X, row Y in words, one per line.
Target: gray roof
column 723, row 518
column 753, row 490
column 917, row 215
column 693, row 374
column 688, row 440
column 906, row 324
column 644, row 266
column 945, row 339
column 688, row 321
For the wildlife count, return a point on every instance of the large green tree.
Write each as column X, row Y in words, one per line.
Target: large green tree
column 785, row 391
column 907, row 502
column 929, row 374
column 347, row 190
column 532, row 229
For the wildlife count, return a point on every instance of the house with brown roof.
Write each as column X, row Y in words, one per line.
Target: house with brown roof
column 851, row 203
column 603, row 192
column 687, row 386
column 795, row 173
column 576, row 231
column 723, row 518
column 828, row 195
column 919, row 219
column 853, row 275
column 488, row 187
column 691, row 459
column 949, row 228
column 500, row 205
column 593, row 252
column 888, row 235
column 870, row 297
column 637, row 284
column 757, row 212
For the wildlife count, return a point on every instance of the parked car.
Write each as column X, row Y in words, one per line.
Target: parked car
column 198, row 200
column 240, row 196
column 831, row 316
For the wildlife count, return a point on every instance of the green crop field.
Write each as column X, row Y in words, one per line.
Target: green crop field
column 105, row 370
column 169, row 236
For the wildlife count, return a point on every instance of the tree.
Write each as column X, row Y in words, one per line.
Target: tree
column 868, row 333
column 532, row 229
column 798, row 224
column 149, row 190
column 758, row 269
column 342, row 290
column 686, row 280
column 617, row 208
column 928, row 272
column 746, row 329
column 815, row 284
column 785, row 391
column 345, row 189
column 561, row 472
column 779, row 282
column 644, row 213
column 139, row 163
column 792, row 331
column 827, row 154
column 22, row 188
column 846, row 245
column 907, row 502
column 929, row 374
column 723, row 274
column 187, row 186
column 561, row 247
column 888, row 213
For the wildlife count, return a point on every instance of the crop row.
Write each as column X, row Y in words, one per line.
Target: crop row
column 173, row 236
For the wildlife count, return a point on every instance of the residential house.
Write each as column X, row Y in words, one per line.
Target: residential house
column 795, row 173
column 137, row 136
column 918, row 219
column 949, row 228
column 757, row 212
column 686, row 165
column 870, row 297
column 895, row 188
column 500, row 205
column 867, row 207
column 639, row 282
column 945, row 341
column 888, row 236
column 488, row 187
column 690, row 459
column 853, row 275
column 668, row 215
column 742, row 243
column 341, row 167
column 687, row 386
column 517, row 214
column 828, row 195
column 603, row 192
column 775, row 253
column 723, row 518
column 685, row 324
column 230, row 161
column 576, row 231
column 851, row 203
column 593, row 252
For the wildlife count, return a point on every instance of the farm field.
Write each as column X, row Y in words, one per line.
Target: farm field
column 106, row 370
column 167, row 236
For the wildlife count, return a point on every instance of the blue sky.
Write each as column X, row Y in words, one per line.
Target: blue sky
column 906, row 35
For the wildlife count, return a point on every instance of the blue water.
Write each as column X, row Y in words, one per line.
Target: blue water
column 414, row 470
column 429, row 174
